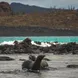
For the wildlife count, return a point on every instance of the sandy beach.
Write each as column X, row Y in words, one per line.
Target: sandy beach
column 12, row 69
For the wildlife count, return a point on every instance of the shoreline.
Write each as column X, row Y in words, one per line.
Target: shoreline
column 35, row 31
column 27, row 47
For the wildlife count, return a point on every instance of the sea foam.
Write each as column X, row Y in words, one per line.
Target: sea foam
column 43, row 44
column 7, row 42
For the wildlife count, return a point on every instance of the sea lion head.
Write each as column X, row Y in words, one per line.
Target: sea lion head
column 32, row 57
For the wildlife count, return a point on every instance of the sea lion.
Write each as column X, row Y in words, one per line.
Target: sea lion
column 43, row 64
column 33, row 65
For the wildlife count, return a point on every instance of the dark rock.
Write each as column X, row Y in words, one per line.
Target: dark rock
column 72, row 66
column 16, row 45
column 5, row 9
column 27, row 40
column 45, row 49
column 26, row 45
column 5, row 58
column 36, row 51
column 22, row 59
column 6, row 49
column 37, row 42
column 71, row 48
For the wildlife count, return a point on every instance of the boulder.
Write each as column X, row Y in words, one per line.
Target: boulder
column 5, row 58
column 27, row 40
column 72, row 66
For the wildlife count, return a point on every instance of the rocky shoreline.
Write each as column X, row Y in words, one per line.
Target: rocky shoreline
column 27, row 47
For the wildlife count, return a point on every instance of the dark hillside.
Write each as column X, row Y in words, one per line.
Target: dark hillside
column 18, row 8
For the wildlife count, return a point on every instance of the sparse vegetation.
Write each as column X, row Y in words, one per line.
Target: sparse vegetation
column 67, row 19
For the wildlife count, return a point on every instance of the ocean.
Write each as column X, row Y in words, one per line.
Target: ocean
column 60, row 39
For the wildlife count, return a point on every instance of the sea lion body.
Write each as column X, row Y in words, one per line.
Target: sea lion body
column 44, row 64
column 27, row 64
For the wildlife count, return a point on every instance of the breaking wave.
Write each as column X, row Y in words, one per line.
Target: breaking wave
column 42, row 44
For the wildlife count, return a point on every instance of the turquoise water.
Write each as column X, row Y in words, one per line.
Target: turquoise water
column 43, row 38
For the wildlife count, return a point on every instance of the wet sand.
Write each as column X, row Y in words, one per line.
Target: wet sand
column 12, row 69
column 35, row 31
